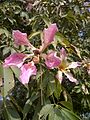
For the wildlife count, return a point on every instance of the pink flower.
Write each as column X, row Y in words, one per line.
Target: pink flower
column 20, row 38
column 65, row 66
column 63, row 54
column 15, row 59
column 70, row 77
column 29, row 7
column 59, row 76
column 74, row 65
column 27, row 70
column 52, row 60
column 48, row 35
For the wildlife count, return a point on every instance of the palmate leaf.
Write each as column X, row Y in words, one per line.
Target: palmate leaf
column 56, row 112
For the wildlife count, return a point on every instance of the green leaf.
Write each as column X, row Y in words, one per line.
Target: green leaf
column 29, row 103
column 46, row 20
column 6, row 50
column 50, row 88
column 4, row 31
column 67, row 104
column 69, row 114
column 33, row 34
column 37, row 110
column 45, row 111
column 58, row 89
column 56, row 112
column 64, row 42
column 71, row 17
column 1, row 70
column 1, row 78
column 10, row 113
column 17, row 9
column 16, row 71
column 48, row 83
column 55, row 115
column 8, row 81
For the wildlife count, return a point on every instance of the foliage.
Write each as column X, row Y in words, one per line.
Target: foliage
column 45, row 97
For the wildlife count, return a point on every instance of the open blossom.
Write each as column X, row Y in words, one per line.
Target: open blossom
column 20, row 38
column 27, row 70
column 29, row 7
column 15, row 59
column 65, row 66
column 48, row 35
column 51, row 60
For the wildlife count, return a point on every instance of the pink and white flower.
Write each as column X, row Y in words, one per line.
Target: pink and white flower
column 51, row 60
column 20, row 38
column 65, row 66
column 15, row 59
column 48, row 35
column 27, row 70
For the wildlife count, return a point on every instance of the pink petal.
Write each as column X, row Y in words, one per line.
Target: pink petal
column 59, row 76
column 48, row 35
column 70, row 77
column 74, row 65
column 20, row 38
column 88, row 71
column 27, row 70
column 88, row 68
column 15, row 59
column 29, row 7
column 52, row 60
column 63, row 54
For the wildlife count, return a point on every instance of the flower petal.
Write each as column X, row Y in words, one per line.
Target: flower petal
column 15, row 59
column 70, row 77
column 48, row 35
column 63, row 54
column 52, row 60
column 74, row 65
column 20, row 38
column 29, row 7
column 59, row 76
column 88, row 71
column 27, row 70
